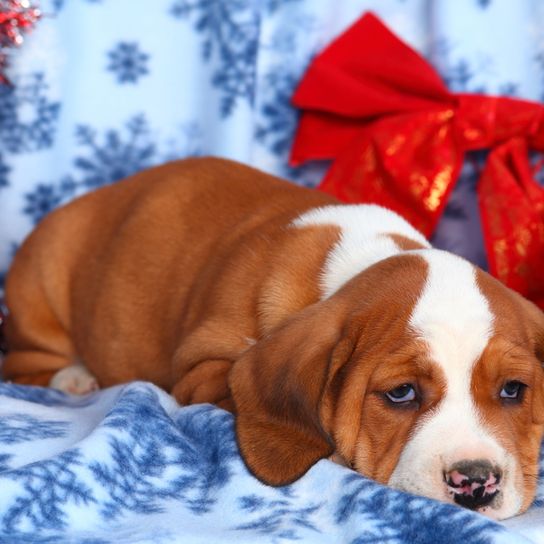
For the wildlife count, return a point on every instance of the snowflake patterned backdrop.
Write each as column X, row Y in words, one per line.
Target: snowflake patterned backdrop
column 187, row 77
column 127, row 62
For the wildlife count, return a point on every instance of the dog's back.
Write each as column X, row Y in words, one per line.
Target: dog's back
column 109, row 276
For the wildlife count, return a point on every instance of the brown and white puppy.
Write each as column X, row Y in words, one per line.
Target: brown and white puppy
column 338, row 328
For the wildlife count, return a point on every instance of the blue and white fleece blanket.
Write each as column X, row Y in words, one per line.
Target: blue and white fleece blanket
column 128, row 464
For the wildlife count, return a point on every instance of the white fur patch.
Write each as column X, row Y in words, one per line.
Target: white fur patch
column 74, row 379
column 454, row 319
column 362, row 242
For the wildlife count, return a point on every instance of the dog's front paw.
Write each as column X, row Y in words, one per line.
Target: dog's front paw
column 74, row 379
column 206, row 382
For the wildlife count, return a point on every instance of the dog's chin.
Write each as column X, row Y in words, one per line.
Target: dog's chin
column 503, row 506
column 493, row 511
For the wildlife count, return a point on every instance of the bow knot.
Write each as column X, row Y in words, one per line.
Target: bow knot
column 398, row 138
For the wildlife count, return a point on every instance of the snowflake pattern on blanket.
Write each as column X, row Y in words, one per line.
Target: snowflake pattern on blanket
column 148, row 470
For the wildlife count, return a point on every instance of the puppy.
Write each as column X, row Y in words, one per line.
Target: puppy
column 330, row 329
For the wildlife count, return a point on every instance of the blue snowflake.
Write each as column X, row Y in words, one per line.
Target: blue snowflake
column 195, row 453
column 50, row 538
column 18, row 428
column 278, row 117
column 127, row 62
column 4, row 172
column 43, row 199
column 271, row 6
column 277, row 123
column 181, row 8
column 231, row 35
column 231, row 31
column 408, row 518
column 47, row 487
column 459, row 75
column 4, row 461
column 277, row 517
column 103, row 160
column 118, row 156
column 509, row 88
column 131, row 477
column 27, row 118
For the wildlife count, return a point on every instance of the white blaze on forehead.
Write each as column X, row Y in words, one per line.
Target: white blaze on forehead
column 362, row 242
column 454, row 319
column 452, row 315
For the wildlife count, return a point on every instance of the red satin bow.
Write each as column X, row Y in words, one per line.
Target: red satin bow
column 398, row 138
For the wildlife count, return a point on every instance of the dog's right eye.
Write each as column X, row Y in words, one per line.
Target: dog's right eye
column 512, row 391
column 402, row 393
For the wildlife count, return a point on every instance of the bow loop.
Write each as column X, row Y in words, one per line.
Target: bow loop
column 345, row 88
column 392, row 79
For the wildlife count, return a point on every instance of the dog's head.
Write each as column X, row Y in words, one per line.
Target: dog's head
column 422, row 372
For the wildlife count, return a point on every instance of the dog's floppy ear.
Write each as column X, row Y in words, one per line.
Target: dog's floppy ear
column 278, row 387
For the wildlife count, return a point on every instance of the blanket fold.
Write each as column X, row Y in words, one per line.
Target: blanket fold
column 128, row 464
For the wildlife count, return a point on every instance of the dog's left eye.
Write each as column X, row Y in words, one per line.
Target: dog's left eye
column 402, row 393
column 512, row 390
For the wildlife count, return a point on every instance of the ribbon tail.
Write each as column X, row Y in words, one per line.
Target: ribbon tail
column 512, row 211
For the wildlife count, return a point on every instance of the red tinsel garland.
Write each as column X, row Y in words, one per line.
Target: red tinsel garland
column 17, row 17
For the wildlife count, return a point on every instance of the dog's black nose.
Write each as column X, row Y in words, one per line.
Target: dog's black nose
column 473, row 484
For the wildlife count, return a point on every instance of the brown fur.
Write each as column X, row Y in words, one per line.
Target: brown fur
column 404, row 243
column 117, row 279
column 189, row 275
column 305, row 395
column 514, row 353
